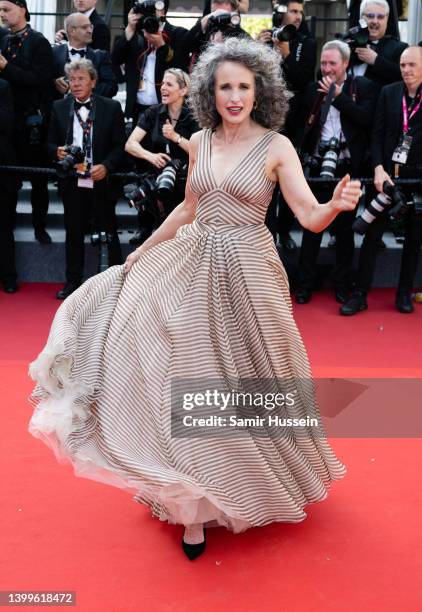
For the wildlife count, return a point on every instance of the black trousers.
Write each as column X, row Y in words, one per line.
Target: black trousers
column 7, row 240
column 34, row 156
column 80, row 216
column 411, row 248
column 311, row 242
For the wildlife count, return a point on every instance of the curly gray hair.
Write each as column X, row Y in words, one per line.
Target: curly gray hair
column 271, row 92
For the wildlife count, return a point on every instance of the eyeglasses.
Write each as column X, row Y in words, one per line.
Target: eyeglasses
column 378, row 16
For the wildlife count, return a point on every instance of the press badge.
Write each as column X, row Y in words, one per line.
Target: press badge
column 86, row 183
column 401, row 153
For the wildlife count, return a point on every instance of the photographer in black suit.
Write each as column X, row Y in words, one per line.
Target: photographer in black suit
column 396, row 152
column 9, row 186
column 146, row 56
column 298, row 61
column 340, row 112
column 26, row 62
column 101, row 36
column 379, row 60
column 79, row 34
column 95, row 125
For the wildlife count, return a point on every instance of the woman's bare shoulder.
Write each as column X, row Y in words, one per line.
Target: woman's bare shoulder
column 194, row 143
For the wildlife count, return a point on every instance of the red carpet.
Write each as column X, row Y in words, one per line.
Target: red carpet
column 359, row 549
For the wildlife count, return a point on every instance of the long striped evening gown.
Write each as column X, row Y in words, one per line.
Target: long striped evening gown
column 213, row 303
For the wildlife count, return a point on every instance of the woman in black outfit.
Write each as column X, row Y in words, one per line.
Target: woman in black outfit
column 164, row 130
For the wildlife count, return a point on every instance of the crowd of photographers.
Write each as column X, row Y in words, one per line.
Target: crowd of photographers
column 357, row 110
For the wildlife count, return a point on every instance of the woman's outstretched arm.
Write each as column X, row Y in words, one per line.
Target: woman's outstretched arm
column 284, row 166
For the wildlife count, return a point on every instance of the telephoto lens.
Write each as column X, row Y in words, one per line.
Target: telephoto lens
column 390, row 195
column 330, row 159
column 167, row 179
column 139, row 194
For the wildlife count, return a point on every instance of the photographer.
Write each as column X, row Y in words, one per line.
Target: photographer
column 9, row 186
column 379, row 59
column 26, row 63
column 298, row 60
column 148, row 47
column 334, row 144
column 396, row 152
column 100, row 33
column 79, row 34
column 222, row 22
column 95, row 125
column 164, row 130
column 243, row 7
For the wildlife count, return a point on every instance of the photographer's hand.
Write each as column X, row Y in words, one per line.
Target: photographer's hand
column 132, row 22
column 159, row 160
column 168, row 131
column 61, row 85
column 366, row 55
column 98, row 172
column 3, row 62
column 325, row 84
column 380, row 176
column 61, row 153
column 264, row 36
column 282, row 47
column 346, row 195
column 60, row 36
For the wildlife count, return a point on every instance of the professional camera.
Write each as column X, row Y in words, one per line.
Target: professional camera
column 74, row 156
column 329, row 150
column 149, row 20
column 166, row 181
column 140, row 194
column 391, row 196
column 283, row 33
column 357, row 36
column 227, row 23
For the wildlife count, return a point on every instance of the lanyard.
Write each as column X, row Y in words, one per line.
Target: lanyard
column 406, row 117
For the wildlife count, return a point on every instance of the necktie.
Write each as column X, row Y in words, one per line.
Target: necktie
column 80, row 52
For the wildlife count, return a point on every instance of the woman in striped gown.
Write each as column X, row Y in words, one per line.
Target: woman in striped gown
column 204, row 302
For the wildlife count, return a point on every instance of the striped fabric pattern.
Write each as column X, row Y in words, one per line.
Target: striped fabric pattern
column 211, row 303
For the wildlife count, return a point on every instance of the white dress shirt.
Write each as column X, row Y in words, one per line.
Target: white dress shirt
column 148, row 94
column 78, row 135
column 332, row 129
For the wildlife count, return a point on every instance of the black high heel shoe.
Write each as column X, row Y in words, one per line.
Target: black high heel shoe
column 193, row 550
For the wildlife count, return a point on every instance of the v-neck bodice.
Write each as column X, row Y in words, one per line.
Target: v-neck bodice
column 242, row 197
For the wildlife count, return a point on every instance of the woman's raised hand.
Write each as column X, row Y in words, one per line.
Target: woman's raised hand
column 346, row 194
column 168, row 131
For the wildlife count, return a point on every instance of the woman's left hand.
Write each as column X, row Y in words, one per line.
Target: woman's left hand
column 168, row 131
column 346, row 194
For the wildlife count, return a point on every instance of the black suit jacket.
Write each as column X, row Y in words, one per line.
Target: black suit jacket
column 3, row 32
column 174, row 53
column 7, row 153
column 388, row 128
column 29, row 75
column 101, row 36
column 355, row 118
column 109, row 136
column 107, row 81
column 386, row 68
